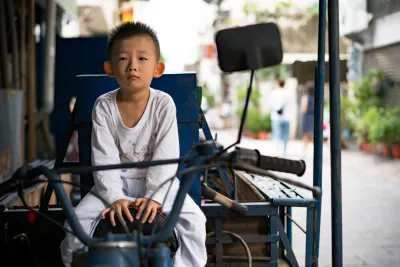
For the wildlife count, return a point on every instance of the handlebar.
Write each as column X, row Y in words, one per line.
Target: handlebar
column 254, row 158
column 203, row 156
column 223, row 200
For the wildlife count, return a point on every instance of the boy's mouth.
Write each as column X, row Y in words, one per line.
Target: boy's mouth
column 133, row 77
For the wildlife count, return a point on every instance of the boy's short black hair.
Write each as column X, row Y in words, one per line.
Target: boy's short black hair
column 130, row 29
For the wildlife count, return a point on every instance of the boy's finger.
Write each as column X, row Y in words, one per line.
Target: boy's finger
column 120, row 218
column 104, row 212
column 138, row 201
column 160, row 209
column 153, row 215
column 119, row 215
column 128, row 214
column 140, row 210
column 112, row 220
column 146, row 215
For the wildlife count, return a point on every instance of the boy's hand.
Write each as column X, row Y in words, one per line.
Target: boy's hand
column 152, row 208
column 121, row 205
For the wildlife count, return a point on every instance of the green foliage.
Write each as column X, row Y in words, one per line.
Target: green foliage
column 255, row 121
column 162, row 58
column 241, row 92
column 313, row 9
column 364, row 123
column 250, row 8
column 273, row 72
column 364, row 93
column 386, row 128
column 375, row 122
column 347, row 113
column 209, row 96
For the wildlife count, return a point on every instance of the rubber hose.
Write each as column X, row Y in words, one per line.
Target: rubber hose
column 241, row 240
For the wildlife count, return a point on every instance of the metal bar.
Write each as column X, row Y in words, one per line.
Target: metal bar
column 294, row 202
column 334, row 95
column 273, row 229
column 289, row 225
column 254, row 209
column 48, row 104
column 32, row 82
column 311, row 260
column 248, row 239
column 222, row 171
column 288, row 247
column 281, row 252
column 23, row 74
column 7, row 83
column 14, row 44
column 218, row 246
column 298, row 225
column 235, row 188
column 319, row 113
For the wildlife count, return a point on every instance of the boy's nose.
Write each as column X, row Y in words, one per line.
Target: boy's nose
column 132, row 66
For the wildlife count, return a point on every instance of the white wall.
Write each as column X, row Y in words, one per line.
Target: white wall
column 386, row 30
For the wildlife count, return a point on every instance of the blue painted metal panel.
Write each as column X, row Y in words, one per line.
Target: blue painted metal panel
column 67, row 67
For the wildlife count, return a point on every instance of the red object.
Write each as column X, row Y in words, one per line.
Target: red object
column 209, row 51
column 32, row 216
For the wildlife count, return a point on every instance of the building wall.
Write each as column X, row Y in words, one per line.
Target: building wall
column 377, row 46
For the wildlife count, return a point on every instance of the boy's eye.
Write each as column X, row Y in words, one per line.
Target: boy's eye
column 142, row 58
column 122, row 58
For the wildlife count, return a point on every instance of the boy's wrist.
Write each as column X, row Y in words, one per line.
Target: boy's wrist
column 157, row 197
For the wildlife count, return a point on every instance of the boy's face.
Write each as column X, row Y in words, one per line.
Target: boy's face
column 134, row 62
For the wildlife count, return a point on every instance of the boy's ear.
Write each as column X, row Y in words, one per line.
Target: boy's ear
column 159, row 70
column 108, row 68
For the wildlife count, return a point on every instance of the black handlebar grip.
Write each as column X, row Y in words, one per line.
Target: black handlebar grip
column 223, row 200
column 297, row 167
column 251, row 156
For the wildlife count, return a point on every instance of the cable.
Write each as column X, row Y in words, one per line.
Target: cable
column 165, row 197
column 243, row 119
column 241, row 240
column 142, row 164
column 179, row 173
column 155, row 223
column 25, row 237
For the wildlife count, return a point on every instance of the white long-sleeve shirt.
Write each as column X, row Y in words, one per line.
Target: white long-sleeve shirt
column 155, row 137
column 279, row 99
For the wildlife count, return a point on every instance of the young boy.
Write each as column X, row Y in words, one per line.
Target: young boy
column 131, row 124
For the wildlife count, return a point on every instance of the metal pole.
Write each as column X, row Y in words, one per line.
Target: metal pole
column 14, row 44
column 318, row 118
column 32, row 82
column 48, row 98
column 23, row 74
column 334, row 93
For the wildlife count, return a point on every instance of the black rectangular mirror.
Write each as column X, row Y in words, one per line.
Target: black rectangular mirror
column 249, row 48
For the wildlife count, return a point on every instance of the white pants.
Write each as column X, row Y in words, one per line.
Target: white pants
column 190, row 229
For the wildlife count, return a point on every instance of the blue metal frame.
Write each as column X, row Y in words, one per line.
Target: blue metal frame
column 216, row 213
column 282, row 195
column 334, row 95
column 224, row 175
column 319, row 114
